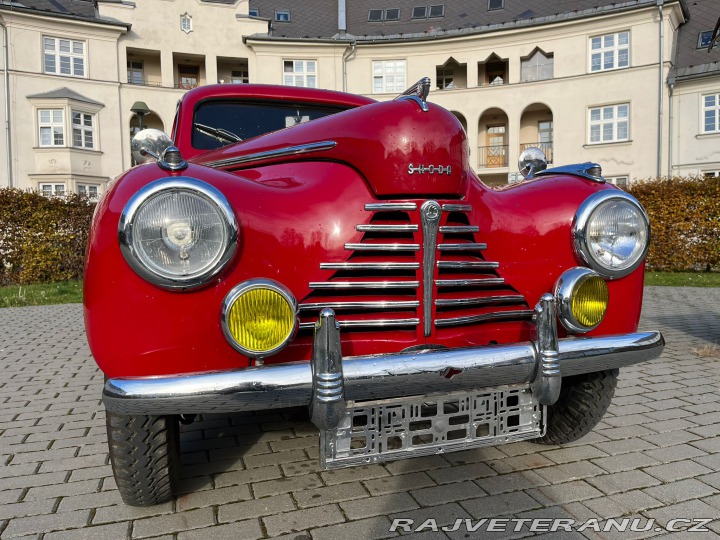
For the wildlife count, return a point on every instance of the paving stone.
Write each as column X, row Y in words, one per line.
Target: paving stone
column 460, row 472
column 255, row 508
column 500, row 505
column 327, row 495
column 112, row 531
column 511, row 482
column 248, row 476
column 681, row 490
column 242, row 530
column 46, row 523
column 401, row 483
column 623, row 481
column 569, row 471
column 368, row 529
column 578, row 453
column 676, row 471
column 564, row 493
column 286, row 485
column 635, row 460
column 170, row 523
column 354, row 474
column 378, row 505
column 212, row 497
column 302, row 520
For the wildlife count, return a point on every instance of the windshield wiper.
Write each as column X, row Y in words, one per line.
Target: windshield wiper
column 220, row 134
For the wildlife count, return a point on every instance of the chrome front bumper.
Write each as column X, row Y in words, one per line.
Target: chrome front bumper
column 328, row 382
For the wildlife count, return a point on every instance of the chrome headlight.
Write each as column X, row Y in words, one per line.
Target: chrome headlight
column 259, row 317
column 611, row 232
column 178, row 233
column 582, row 298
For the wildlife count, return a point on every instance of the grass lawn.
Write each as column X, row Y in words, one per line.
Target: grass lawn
column 71, row 291
column 40, row 294
column 682, row 279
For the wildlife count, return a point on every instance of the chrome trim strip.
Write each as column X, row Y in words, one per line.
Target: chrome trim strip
column 370, row 266
column 391, row 206
column 459, row 229
column 382, row 247
column 386, row 228
column 277, row 153
column 479, row 301
column 381, row 305
column 364, row 284
column 467, row 246
column 430, row 213
column 485, row 317
column 372, row 377
column 370, row 323
column 450, row 207
column 468, row 282
column 468, row 264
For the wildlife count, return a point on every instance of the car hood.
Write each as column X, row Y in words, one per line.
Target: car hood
column 399, row 149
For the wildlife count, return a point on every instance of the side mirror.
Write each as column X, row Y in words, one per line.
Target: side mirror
column 532, row 160
column 149, row 144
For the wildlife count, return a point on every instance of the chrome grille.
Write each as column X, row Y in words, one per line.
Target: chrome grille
column 410, row 254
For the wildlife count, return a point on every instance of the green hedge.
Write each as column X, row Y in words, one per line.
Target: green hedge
column 685, row 222
column 42, row 239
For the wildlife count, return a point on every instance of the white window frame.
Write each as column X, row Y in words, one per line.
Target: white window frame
column 186, row 22
column 620, row 180
column 599, row 47
column 137, row 68
column 609, row 116
column 713, row 109
column 52, row 189
column 55, row 127
column 302, row 73
column 282, row 15
column 713, row 173
column 91, row 191
column 386, row 79
column 83, row 130
column 74, row 57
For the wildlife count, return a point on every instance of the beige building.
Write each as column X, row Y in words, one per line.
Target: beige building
column 616, row 83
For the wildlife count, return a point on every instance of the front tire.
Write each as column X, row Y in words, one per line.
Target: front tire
column 583, row 401
column 145, row 456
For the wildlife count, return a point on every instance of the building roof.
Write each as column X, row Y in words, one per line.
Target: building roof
column 317, row 19
column 71, row 9
column 693, row 61
column 64, row 93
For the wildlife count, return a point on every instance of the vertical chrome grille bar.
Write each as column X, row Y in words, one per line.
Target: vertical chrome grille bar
column 430, row 215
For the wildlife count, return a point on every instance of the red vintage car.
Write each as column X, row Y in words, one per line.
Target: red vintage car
column 295, row 247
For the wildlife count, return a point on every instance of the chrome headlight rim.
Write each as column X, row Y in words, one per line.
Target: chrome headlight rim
column 579, row 232
column 178, row 183
column 243, row 288
column 567, row 283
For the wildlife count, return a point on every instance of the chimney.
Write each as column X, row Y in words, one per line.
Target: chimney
column 342, row 19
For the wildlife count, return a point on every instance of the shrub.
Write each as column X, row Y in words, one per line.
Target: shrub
column 685, row 222
column 42, row 239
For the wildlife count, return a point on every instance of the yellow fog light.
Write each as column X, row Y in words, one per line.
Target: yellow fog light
column 582, row 298
column 259, row 317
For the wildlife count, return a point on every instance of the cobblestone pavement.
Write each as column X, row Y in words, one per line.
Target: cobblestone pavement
column 655, row 455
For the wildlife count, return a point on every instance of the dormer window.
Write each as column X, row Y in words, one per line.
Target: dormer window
column 375, row 15
column 392, row 14
column 495, row 4
column 282, row 15
column 186, row 23
column 419, row 12
column 437, row 11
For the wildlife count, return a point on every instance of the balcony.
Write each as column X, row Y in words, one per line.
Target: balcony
column 546, row 147
column 493, row 156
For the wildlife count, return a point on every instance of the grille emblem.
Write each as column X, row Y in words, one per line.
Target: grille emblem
column 430, row 216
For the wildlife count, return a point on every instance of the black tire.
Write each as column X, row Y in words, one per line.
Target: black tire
column 583, row 401
column 145, row 456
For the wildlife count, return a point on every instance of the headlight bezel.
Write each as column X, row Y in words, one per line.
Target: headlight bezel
column 580, row 238
column 196, row 187
column 565, row 290
column 246, row 286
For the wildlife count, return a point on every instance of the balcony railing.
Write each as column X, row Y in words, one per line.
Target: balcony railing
column 493, row 156
column 546, row 147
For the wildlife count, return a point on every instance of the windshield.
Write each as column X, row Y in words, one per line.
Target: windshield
column 219, row 123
